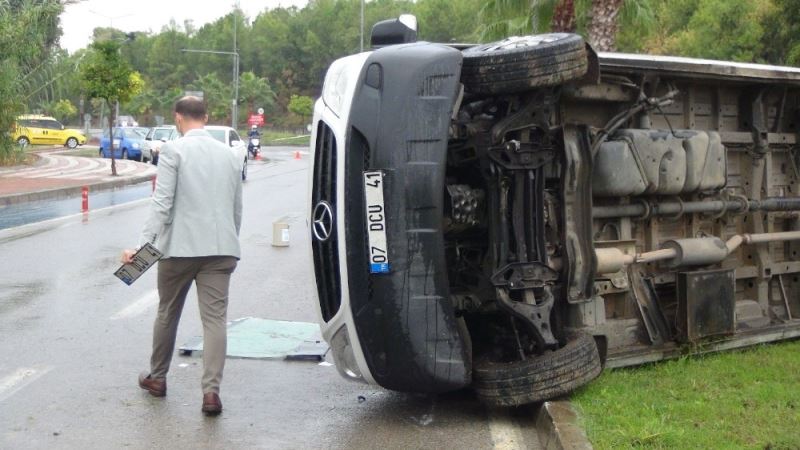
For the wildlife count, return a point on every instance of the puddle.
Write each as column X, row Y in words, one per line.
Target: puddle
column 37, row 211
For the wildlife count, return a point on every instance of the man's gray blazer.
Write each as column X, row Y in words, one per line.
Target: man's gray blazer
column 197, row 204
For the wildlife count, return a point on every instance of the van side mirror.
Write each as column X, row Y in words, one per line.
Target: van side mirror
column 402, row 30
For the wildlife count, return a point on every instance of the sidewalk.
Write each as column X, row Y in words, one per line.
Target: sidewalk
column 58, row 175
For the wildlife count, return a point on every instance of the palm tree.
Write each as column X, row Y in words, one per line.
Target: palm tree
column 256, row 90
column 502, row 18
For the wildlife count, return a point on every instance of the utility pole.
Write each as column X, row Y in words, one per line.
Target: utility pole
column 235, row 110
column 362, row 25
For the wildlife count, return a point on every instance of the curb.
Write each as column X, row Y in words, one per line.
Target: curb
column 72, row 191
column 558, row 428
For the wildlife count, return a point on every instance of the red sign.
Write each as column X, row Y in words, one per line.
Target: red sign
column 256, row 119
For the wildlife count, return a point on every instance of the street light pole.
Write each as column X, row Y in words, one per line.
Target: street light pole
column 234, row 106
column 362, row 25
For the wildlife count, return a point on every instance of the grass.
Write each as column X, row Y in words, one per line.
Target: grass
column 748, row 399
column 271, row 137
column 86, row 152
column 14, row 156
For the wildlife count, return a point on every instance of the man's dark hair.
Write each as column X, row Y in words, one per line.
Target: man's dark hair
column 192, row 107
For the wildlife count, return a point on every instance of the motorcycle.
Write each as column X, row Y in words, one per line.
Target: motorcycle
column 254, row 147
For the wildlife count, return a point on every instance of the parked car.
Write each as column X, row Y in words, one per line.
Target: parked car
column 155, row 138
column 128, row 143
column 230, row 137
column 38, row 129
column 513, row 216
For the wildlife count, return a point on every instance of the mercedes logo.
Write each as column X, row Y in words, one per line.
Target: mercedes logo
column 323, row 221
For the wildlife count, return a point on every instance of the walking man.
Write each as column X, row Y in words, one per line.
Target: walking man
column 194, row 220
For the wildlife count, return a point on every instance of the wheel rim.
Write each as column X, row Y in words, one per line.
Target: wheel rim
column 72, row 142
column 524, row 41
column 23, row 141
column 124, row 154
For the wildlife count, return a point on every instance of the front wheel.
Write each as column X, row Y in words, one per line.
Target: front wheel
column 124, row 154
column 72, row 142
column 538, row 378
column 244, row 170
column 23, row 141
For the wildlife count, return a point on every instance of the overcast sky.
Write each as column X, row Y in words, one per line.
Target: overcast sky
column 80, row 19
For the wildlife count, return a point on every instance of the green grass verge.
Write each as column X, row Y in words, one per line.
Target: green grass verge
column 86, row 152
column 744, row 399
column 270, row 137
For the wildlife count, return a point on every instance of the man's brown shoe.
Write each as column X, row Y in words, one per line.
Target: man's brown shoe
column 156, row 388
column 212, row 405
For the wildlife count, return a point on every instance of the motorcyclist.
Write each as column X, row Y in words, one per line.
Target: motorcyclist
column 253, row 147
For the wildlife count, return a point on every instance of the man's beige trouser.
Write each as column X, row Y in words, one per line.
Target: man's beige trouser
column 212, row 276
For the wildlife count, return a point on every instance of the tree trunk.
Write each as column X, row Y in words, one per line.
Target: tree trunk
column 111, row 138
column 603, row 24
column 564, row 17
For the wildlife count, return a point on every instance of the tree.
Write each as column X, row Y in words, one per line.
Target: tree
column 28, row 33
column 106, row 75
column 302, row 106
column 63, row 110
column 597, row 19
column 256, row 92
column 216, row 94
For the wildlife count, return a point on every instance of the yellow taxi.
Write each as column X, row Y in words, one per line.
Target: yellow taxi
column 38, row 129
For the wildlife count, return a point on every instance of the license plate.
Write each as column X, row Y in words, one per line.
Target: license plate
column 376, row 222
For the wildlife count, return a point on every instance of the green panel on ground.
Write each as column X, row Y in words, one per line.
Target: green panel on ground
column 256, row 338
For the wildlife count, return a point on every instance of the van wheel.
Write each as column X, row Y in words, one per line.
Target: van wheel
column 72, row 142
column 23, row 141
column 124, row 154
column 244, row 169
column 540, row 377
column 519, row 63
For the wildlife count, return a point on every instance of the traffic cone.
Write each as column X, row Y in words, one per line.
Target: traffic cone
column 297, row 154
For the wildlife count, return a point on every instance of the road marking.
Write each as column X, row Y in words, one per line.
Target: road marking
column 141, row 305
column 505, row 433
column 12, row 384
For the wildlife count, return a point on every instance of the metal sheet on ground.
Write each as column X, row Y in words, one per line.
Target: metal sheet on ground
column 256, row 338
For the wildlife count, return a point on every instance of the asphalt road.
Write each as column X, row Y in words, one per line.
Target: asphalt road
column 73, row 339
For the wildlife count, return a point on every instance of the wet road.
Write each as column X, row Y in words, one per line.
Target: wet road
column 73, row 338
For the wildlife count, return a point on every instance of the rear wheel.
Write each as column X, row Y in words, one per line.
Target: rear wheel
column 519, row 63
column 539, row 377
column 124, row 154
column 72, row 142
column 244, row 169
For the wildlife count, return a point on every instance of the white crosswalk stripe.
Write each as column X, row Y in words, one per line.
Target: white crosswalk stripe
column 14, row 382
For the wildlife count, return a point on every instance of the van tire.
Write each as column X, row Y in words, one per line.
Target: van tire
column 518, row 63
column 540, row 377
column 124, row 154
column 72, row 142
column 23, row 141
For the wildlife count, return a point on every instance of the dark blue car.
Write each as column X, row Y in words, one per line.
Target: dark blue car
column 128, row 143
